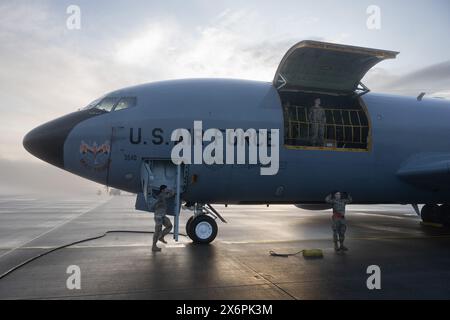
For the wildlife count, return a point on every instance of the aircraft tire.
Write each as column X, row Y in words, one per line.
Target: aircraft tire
column 188, row 227
column 202, row 229
column 430, row 213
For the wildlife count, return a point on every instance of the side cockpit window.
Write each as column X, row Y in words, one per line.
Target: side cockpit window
column 111, row 104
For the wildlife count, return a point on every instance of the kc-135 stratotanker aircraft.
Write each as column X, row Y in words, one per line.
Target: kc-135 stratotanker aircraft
column 379, row 148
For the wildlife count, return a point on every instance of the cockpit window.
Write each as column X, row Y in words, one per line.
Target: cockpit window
column 107, row 104
column 124, row 103
column 92, row 104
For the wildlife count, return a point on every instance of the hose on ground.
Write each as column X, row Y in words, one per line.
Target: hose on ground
column 17, row 267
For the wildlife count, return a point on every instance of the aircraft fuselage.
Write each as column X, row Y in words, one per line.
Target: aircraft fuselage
column 109, row 147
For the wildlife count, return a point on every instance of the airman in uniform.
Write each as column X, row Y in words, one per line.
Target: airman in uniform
column 318, row 119
column 339, row 225
column 161, row 218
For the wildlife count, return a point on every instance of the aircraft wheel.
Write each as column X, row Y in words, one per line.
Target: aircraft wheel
column 188, row 227
column 202, row 229
column 430, row 213
column 445, row 214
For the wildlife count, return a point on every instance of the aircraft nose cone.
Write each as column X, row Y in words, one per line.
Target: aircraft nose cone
column 46, row 142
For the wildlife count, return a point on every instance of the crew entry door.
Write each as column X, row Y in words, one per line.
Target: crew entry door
column 155, row 173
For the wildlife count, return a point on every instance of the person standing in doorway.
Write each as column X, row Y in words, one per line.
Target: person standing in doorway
column 318, row 119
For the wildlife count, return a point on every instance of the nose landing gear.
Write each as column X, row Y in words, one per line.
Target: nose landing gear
column 202, row 227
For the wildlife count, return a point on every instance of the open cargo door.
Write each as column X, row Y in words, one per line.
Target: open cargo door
column 319, row 85
column 312, row 66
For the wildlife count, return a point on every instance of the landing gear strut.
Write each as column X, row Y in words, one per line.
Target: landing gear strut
column 434, row 213
column 202, row 227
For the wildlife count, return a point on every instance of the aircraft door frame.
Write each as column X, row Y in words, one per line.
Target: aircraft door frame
column 156, row 172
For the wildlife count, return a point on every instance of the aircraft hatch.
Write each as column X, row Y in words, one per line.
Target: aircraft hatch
column 325, row 67
column 157, row 172
column 320, row 90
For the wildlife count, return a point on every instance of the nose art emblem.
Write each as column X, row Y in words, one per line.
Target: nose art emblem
column 94, row 156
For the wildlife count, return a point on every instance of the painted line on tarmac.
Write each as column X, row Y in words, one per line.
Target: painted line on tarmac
column 329, row 239
column 131, row 245
column 63, row 223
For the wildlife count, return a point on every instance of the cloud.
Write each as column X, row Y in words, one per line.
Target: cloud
column 221, row 48
column 433, row 79
column 20, row 19
column 43, row 75
column 442, row 94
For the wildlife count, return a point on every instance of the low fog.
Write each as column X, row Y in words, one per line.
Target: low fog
column 22, row 177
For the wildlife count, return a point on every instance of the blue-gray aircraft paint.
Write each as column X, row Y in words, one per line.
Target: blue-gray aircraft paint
column 407, row 159
column 402, row 130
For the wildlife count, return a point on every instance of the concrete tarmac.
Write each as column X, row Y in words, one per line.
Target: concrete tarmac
column 413, row 259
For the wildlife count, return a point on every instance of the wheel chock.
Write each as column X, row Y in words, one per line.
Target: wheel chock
column 313, row 253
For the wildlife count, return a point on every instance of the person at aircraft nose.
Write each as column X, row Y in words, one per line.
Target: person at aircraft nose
column 160, row 217
column 318, row 119
column 339, row 225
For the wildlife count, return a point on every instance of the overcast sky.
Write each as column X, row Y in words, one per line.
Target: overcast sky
column 47, row 70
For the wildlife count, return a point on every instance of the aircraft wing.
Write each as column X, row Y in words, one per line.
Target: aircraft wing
column 326, row 67
column 427, row 170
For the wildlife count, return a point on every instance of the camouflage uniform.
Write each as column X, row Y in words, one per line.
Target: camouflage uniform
column 318, row 119
column 160, row 216
column 339, row 225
